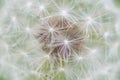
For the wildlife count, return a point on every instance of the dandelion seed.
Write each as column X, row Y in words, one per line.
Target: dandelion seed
column 47, row 56
column 93, row 51
column 61, row 69
column 66, row 42
column 13, row 19
column 64, row 13
column 41, row 7
column 80, row 58
column 117, row 28
column 89, row 20
column 28, row 29
column 107, row 35
column 29, row 4
column 107, row 7
column 51, row 30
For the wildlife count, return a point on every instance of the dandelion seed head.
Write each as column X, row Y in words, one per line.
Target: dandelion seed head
column 63, row 30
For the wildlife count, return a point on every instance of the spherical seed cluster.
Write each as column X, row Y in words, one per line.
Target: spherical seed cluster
column 61, row 38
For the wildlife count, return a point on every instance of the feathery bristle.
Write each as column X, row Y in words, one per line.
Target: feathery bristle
column 62, row 37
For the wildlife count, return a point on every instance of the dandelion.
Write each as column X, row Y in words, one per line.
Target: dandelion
column 59, row 40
